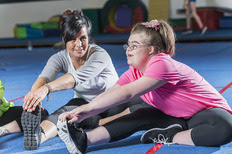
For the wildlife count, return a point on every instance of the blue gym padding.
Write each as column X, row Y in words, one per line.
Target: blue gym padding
column 107, row 38
column 226, row 22
column 34, row 33
column 210, row 35
column 123, row 16
column 19, row 68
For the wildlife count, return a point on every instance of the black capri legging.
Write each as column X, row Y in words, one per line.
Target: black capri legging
column 141, row 119
column 93, row 121
column 14, row 113
column 211, row 127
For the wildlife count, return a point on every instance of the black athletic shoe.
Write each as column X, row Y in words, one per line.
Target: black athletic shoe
column 161, row 135
column 31, row 128
column 75, row 139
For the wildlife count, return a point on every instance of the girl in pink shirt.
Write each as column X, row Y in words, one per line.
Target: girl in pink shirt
column 184, row 94
column 185, row 108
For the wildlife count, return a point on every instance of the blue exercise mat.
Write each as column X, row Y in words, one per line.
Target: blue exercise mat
column 19, row 68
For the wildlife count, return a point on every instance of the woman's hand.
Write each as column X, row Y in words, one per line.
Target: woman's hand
column 33, row 98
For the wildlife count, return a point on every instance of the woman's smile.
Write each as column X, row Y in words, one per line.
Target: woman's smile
column 78, row 51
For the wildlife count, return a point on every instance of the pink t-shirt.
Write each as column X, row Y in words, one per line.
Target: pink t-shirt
column 185, row 93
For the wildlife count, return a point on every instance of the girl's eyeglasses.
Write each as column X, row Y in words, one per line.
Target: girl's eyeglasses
column 133, row 46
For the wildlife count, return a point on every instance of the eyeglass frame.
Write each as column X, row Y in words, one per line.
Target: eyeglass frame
column 126, row 46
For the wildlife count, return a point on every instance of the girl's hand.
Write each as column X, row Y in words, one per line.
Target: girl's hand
column 66, row 115
column 76, row 115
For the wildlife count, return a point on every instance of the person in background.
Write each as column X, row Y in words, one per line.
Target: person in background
column 181, row 100
column 190, row 8
column 4, row 104
column 87, row 68
column 10, row 115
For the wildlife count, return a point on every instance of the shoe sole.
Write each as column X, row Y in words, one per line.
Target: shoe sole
column 63, row 133
column 30, row 123
column 143, row 137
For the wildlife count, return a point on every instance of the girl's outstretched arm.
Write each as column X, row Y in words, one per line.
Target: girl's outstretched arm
column 113, row 97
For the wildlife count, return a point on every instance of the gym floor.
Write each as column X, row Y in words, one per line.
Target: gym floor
column 19, row 68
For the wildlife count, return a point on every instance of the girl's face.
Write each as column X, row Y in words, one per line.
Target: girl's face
column 138, row 53
column 78, row 47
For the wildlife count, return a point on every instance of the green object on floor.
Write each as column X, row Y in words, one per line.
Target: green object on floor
column 4, row 104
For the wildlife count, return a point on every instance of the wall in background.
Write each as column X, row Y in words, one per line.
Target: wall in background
column 27, row 12
column 19, row 1
column 159, row 9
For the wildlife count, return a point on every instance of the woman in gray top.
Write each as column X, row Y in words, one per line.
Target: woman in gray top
column 87, row 68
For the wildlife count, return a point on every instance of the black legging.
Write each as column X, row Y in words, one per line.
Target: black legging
column 141, row 119
column 14, row 113
column 211, row 127
column 93, row 121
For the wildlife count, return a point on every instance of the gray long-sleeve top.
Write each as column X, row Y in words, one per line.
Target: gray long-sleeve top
column 94, row 77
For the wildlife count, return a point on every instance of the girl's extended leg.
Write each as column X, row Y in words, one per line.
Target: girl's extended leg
column 121, row 110
column 141, row 119
column 211, row 127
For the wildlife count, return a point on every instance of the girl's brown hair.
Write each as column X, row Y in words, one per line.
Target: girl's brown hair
column 162, row 36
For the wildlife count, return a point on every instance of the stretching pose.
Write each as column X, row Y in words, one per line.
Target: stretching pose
column 87, row 68
column 185, row 108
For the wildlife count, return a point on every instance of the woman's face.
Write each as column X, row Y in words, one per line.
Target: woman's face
column 78, row 47
column 137, row 52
